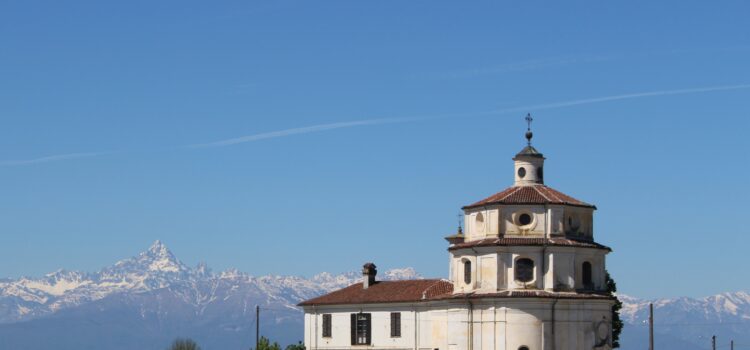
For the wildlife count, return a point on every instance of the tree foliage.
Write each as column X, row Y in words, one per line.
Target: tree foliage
column 265, row 344
column 616, row 321
column 298, row 346
column 184, row 344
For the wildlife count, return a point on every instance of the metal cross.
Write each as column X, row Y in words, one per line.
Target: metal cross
column 529, row 119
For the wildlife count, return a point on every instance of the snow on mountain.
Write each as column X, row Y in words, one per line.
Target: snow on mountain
column 145, row 301
column 689, row 320
column 155, row 269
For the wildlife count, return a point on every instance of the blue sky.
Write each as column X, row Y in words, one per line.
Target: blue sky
column 293, row 137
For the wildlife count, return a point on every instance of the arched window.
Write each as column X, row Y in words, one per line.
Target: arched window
column 467, row 271
column 524, row 270
column 586, row 275
column 523, row 348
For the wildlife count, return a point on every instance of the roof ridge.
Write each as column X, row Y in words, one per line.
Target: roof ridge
column 540, row 192
column 557, row 194
column 516, row 189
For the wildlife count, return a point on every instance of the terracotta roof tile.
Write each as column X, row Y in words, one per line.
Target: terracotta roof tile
column 385, row 292
column 538, row 194
column 557, row 242
column 528, row 294
column 428, row 290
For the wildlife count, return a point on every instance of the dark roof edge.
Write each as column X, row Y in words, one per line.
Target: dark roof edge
column 470, row 206
column 590, row 245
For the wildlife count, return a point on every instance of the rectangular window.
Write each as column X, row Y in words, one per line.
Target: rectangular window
column 326, row 325
column 395, row 324
column 360, row 326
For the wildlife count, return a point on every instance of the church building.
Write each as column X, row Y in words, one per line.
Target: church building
column 525, row 274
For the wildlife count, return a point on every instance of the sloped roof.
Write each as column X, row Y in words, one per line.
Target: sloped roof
column 530, row 152
column 385, row 292
column 521, row 241
column 535, row 194
column 535, row 293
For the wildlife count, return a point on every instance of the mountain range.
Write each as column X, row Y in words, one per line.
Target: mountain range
column 146, row 301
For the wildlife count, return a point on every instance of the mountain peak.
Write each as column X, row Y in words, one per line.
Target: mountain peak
column 158, row 247
column 159, row 258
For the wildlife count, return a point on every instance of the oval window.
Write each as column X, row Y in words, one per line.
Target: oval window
column 521, row 172
column 524, row 219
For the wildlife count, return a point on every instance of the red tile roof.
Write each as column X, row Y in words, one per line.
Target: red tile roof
column 385, row 292
column 528, row 294
column 428, row 290
column 555, row 242
column 536, row 194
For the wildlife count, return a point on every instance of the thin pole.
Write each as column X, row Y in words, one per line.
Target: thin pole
column 650, row 326
column 257, row 326
column 713, row 342
column 731, row 345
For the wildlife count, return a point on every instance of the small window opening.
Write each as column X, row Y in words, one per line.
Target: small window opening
column 522, row 172
column 524, row 270
column 467, row 272
column 586, row 275
column 523, row 348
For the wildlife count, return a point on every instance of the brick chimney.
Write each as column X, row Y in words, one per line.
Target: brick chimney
column 369, row 270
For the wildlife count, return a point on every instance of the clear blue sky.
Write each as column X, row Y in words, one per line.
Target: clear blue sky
column 102, row 106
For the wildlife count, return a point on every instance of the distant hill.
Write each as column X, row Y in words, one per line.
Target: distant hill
column 146, row 301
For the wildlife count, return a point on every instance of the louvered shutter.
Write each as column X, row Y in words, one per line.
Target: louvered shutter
column 327, row 325
column 369, row 328
column 354, row 329
column 395, row 324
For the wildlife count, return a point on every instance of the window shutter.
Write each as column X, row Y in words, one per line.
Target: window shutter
column 326, row 325
column 369, row 328
column 395, row 324
column 354, row 329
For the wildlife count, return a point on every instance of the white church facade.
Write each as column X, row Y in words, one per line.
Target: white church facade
column 526, row 275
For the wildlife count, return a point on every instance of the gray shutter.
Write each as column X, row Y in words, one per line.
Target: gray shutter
column 354, row 329
column 369, row 328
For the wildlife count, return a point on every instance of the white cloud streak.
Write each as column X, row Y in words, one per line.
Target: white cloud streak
column 531, row 108
column 368, row 122
column 298, row 131
column 622, row 97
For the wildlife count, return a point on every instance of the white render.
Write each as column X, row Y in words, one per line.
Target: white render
column 494, row 310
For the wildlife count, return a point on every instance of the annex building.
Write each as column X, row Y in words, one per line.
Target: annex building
column 526, row 274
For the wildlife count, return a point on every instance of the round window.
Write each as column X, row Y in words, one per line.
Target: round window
column 521, row 172
column 524, row 219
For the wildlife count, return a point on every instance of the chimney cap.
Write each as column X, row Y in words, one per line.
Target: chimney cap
column 369, row 268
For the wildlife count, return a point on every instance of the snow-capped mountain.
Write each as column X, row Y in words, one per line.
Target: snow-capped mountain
column 159, row 295
column 688, row 323
column 146, row 301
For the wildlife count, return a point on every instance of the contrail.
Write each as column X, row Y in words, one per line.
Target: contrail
column 623, row 97
column 52, row 158
column 342, row 125
column 367, row 122
column 302, row 130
